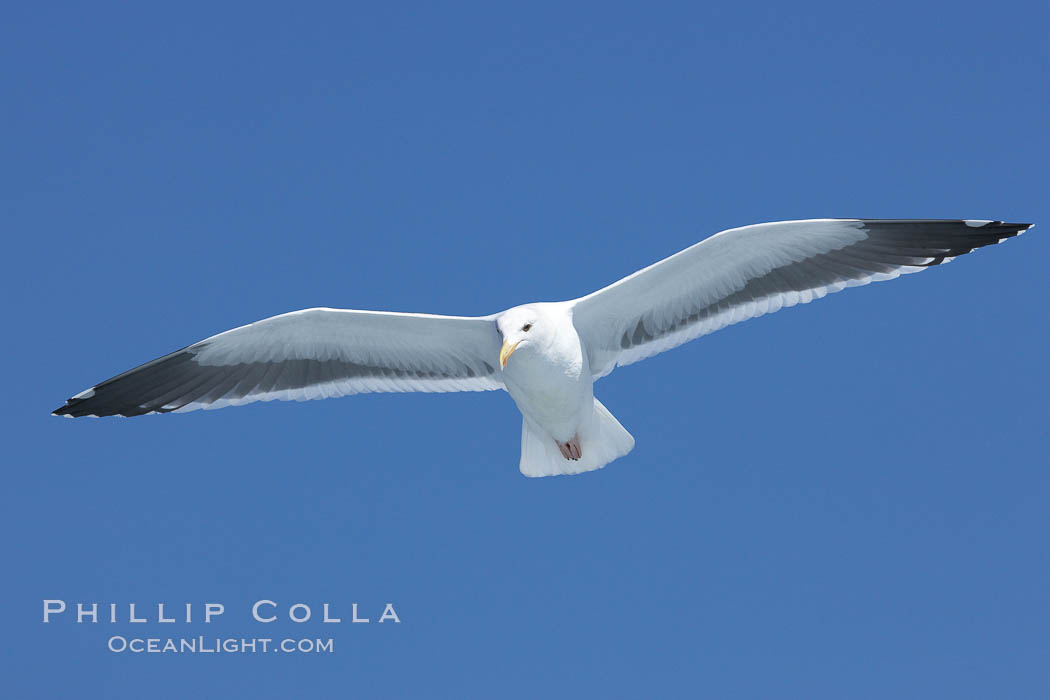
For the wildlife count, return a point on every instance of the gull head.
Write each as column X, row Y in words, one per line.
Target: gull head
column 520, row 328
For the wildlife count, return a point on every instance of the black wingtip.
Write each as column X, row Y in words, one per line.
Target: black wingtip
column 68, row 410
column 1011, row 229
column 79, row 406
column 1008, row 229
column 1020, row 227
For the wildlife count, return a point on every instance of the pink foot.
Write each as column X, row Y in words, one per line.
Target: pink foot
column 571, row 449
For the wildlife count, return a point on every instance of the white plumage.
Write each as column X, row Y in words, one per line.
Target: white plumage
column 545, row 355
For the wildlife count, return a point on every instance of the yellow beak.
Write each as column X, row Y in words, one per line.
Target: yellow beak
column 505, row 352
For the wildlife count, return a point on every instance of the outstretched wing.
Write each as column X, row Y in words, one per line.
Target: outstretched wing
column 309, row 354
column 746, row 272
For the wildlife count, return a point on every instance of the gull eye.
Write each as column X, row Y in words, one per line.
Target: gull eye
column 526, row 327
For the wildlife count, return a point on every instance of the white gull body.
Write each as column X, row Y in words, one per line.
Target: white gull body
column 565, row 430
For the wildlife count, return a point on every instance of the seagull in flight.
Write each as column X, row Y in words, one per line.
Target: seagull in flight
column 545, row 355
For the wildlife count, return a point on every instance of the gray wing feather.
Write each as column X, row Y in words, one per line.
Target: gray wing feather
column 315, row 353
column 754, row 270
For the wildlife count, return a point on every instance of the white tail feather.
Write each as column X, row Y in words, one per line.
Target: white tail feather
column 602, row 439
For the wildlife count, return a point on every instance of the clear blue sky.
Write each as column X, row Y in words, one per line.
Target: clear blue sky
column 846, row 499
